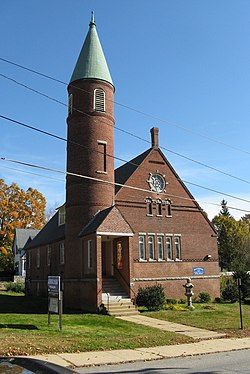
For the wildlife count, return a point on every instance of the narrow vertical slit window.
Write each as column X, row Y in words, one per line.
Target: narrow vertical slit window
column 149, row 203
column 168, row 208
column 142, row 252
column 99, row 100
column 90, row 254
column 38, row 258
column 169, row 248
column 160, row 247
column 102, row 151
column 159, row 207
column 151, row 247
column 48, row 255
column 177, row 244
column 61, row 253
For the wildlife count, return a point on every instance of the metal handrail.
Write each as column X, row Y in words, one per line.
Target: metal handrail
column 125, row 282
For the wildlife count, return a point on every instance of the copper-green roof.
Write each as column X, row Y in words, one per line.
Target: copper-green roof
column 91, row 62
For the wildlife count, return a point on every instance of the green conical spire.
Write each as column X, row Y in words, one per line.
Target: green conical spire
column 91, row 62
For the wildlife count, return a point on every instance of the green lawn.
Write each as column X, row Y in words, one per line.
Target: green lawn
column 217, row 317
column 24, row 330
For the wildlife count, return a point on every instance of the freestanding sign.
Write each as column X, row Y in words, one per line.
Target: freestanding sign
column 55, row 298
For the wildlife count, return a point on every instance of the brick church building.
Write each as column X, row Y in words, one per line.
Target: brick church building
column 119, row 229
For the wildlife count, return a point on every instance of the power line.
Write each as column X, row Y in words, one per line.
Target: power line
column 175, row 124
column 138, row 137
column 117, row 158
column 109, row 182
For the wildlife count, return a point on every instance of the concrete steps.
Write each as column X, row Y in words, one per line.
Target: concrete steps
column 115, row 300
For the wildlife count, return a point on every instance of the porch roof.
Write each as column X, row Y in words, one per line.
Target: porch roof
column 109, row 221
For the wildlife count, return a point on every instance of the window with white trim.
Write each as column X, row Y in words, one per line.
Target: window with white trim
column 99, row 100
column 61, row 253
column 151, row 247
column 102, row 151
column 38, row 258
column 177, row 245
column 142, row 252
column 169, row 248
column 160, row 247
column 61, row 215
column 90, row 254
column 48, row 255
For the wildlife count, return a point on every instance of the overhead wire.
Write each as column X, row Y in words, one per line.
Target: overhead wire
column 110, row 182
column 116, row 158
column 135, row 136
column 175, row 124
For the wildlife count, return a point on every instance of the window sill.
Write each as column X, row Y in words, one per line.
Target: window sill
column 169, row 260
column 178, row 260
column 151, row 260
column 101, row 172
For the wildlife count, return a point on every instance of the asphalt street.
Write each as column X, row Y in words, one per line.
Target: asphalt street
column 213, row 363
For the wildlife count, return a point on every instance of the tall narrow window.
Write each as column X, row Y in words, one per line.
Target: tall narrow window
column 38, row 258
column 102, row 155
column 159, row 207
column 29, row 259
column 151, row 247
column 70, row 104
column 177, row 244
column 99, row 100
column 168, row 208
column 142, row 252
column 90, row 254
column 149, row 203
column 160, row 247
column 61, row 215
column 61, row 253
column 169, row 248
column 48, row 255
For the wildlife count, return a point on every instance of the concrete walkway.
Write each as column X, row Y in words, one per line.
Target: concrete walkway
column 215, row 344
column 192, row 332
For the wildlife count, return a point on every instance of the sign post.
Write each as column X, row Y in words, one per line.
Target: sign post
column 55, row 298
column 239, row 290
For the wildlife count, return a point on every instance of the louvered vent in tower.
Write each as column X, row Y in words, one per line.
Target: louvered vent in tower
column 99, row 100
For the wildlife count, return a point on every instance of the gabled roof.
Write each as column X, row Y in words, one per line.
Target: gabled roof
column 109, row 221
column 91, row 62
column 23, row 235
column 123, row 173
column 50, row 233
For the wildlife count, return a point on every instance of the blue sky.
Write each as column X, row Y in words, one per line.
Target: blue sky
column 182, row 66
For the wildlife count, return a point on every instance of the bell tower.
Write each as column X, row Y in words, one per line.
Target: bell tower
column 90, row 143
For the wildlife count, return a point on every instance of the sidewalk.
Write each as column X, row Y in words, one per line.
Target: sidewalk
column 77, row 360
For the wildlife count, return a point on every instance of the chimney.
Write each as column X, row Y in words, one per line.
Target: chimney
column 154, row 137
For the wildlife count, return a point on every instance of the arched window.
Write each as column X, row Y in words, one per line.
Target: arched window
column 168, row 208
column 159, row 207
column 149, row 203
column 99, row 100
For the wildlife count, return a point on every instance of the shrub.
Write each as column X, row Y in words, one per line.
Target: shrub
column 230, row 292
column 204, row 297
column 182, row 301
column 171, row 301
column 15, row 287
column 152, row 298
column 217, row 300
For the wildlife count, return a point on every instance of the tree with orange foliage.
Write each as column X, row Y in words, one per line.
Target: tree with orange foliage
column 19, row 209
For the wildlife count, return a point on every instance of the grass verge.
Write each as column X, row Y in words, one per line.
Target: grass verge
column 24, row 331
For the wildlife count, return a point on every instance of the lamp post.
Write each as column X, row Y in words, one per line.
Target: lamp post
column 239, row 290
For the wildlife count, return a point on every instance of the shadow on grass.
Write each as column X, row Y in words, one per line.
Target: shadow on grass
column 17, row 326
column 22, row 304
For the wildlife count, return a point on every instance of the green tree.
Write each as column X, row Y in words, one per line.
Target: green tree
column 18, row 209
column 233, row 242
column 224, row 209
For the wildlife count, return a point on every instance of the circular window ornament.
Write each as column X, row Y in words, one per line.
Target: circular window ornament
column 156, row 182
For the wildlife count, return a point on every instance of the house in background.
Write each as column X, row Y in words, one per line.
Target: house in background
column 21, row 238
column 121, row 229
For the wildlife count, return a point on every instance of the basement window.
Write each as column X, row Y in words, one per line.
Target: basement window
column 99, row 100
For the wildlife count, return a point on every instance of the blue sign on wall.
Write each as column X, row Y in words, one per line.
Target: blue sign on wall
column 198, row 271
column 54, row 283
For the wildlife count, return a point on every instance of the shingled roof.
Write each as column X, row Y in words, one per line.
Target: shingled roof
column 50, row 233
column 123, row 173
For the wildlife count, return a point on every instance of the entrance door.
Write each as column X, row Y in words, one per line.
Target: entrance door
column 107, row 259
